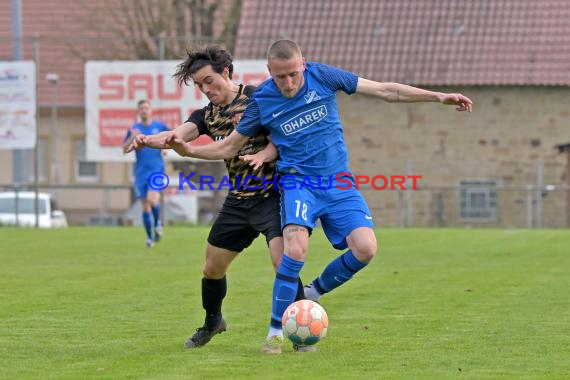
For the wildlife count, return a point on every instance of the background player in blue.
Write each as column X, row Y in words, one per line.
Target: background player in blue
column 298, row 106
column 148, row 161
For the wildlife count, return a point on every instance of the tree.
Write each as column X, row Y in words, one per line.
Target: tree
column 151, row 29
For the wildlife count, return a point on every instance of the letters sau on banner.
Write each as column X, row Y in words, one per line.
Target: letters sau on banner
column 113, row 88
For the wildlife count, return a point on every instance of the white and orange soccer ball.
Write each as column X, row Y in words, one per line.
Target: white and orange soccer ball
column 305, row 322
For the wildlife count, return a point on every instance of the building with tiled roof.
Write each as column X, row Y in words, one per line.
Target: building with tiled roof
column 439, row 43
column 511, row 57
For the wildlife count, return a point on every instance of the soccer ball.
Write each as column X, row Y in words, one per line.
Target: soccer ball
column 305, row 322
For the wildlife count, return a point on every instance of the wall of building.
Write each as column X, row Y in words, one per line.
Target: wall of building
column 511, row 130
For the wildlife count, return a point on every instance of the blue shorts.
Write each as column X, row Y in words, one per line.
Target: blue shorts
column 142, row 187
column 340, row 211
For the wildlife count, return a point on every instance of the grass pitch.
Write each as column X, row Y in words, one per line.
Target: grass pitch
column 434, row 304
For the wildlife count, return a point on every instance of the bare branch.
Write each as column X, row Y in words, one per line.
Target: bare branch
column 130, row 28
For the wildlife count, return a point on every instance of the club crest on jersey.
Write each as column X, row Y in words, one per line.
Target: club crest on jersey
column 304, row 120
column 312, row 96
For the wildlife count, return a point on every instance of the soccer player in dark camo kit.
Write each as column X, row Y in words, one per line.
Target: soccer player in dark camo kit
column 298, row 106
column 245, row 213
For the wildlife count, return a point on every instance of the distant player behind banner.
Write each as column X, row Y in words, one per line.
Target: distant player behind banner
column 148, row 161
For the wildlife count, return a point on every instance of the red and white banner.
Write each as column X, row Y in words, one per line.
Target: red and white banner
column 17, row 105
column 113, row 88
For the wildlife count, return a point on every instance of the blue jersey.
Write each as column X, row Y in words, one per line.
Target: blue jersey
column 148, row 160
column 306, row 129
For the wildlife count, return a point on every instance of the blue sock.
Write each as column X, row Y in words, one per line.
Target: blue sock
column 339, row 271
column 284, row 288
column 147, row 223
column 156, row 215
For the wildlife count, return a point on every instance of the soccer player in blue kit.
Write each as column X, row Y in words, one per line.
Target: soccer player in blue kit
column 148, row 161
column 298, row 106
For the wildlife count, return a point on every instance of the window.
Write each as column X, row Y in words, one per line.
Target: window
column 478, row 200
column 84, row 170
column 42, row 162
column 25, row 206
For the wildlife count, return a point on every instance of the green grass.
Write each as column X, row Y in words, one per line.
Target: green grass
column 435, row 304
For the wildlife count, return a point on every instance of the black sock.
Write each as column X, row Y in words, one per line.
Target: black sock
column 213, row 293
column 300, row 292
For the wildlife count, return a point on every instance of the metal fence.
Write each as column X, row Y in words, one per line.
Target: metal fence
column 428, row 206
column 464, row 206
column 89, row 204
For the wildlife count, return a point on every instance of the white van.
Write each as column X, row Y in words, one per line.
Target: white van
column 49, row 217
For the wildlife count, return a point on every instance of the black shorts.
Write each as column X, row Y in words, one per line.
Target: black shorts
column 240, row 221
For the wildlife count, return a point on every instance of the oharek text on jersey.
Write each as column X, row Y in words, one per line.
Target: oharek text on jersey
column 304, row 120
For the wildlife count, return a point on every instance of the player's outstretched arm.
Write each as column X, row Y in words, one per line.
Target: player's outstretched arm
column 268, row 154
column 226, row 148
column 187, row 132
column 396, row 92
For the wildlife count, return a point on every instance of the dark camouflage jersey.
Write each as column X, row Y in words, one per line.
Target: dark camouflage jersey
column 218, row 122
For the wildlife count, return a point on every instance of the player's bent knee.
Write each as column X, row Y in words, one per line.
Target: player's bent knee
column 213, row 273
column 296, row 252
column 365, row 251
column 296, row 240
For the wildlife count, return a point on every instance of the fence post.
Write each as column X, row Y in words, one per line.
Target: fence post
column 104, row 206
column 18, row 158
column 529, row 206
column 539, row 181
column 36, row 153
column 17, row 205
column 401, row 208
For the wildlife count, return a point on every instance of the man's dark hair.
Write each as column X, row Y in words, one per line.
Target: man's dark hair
column 141, row 102
column 283, row 49
column 212, row 55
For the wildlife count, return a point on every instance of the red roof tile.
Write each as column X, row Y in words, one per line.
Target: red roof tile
column 439, row 42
